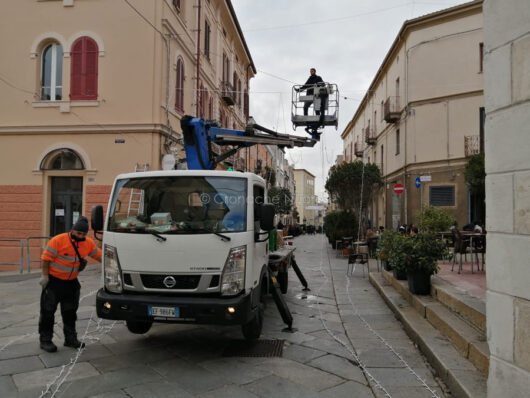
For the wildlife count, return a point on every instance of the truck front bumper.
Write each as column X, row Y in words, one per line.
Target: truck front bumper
column 200, row 310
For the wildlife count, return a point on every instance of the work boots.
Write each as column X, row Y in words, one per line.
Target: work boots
column 73, row 342
column 48, row 346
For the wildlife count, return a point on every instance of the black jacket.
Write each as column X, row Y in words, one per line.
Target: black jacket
column 313, row 79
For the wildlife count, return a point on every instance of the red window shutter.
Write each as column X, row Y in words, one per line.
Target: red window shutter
column 77, row 62
column 84, row 73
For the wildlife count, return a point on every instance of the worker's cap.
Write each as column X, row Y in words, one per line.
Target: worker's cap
column 81, row 224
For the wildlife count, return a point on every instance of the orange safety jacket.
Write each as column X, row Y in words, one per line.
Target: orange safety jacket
column 64, row 263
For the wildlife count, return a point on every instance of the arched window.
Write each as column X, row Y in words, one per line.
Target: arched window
column 51, row 81
column 62, row 159
column 179, row 86
column 84, row 74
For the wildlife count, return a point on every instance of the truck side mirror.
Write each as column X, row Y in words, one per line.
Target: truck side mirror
column 96, row 219
column 266, row 219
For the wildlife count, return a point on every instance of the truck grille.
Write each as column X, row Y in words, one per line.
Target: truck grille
column 151, row 281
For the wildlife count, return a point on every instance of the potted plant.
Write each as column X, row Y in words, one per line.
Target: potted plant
column 424, row 252
column 385, row 245
column 398, row 256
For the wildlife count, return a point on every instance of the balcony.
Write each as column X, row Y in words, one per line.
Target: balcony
column 392, row 111
column 227, row 93
column 369, row 136
column 471, row 145
column 358, row 149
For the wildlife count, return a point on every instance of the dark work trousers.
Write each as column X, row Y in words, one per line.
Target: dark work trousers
column 67, row 294
column 308, row 104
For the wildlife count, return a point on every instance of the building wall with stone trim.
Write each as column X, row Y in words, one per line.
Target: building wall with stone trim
column 507, row 150
column 128, row 123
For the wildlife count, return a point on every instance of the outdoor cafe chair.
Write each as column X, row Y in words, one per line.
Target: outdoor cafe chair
column 357, row 258
column 461, row 247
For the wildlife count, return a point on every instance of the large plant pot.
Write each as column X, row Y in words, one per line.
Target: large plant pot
column 399, row 275
column 334, row 244
column 386, row 265
column 419, row 283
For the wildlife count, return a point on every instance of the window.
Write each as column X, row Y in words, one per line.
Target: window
column 382, row 158
column 62, row 159
column 443, row 195
column 234, row 87
column 226, row 68
column 482, row 123
column 246, row 104
column 397, row 142
column 210, row 108
column 176, row 4
column 239, row 95
column 51, row 80
column 84, row 74
column 481, row 56
column 207, row 31
column 201, row 99
column 179, row 86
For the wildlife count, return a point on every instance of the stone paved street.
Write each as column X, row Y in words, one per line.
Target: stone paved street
column 347, row 344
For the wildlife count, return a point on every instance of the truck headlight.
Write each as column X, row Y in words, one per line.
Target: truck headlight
column 233, row 277
column 111, row 270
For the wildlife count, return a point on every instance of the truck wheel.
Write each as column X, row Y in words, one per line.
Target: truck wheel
column 252, row 330
column 283, row 280
column 138, row 327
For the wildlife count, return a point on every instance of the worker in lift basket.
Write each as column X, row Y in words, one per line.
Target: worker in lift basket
column 62, row 260
column 311, row 81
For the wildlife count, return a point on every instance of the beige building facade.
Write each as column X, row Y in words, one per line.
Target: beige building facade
column 507, row 87
column 305, row 196
column 423, row 116
column 91, row 89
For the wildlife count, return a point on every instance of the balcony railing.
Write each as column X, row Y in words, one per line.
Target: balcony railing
column 392, row 110
column 471, row 145
column 369, row 136
column 227, row 93
column 358, row 149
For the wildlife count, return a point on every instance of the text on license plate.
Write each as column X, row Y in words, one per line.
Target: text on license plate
column 168, row 312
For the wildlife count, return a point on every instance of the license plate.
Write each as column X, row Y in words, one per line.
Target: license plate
column 168, row 312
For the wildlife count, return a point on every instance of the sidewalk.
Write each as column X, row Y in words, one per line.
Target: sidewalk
column 347, row 343
column 473, row 284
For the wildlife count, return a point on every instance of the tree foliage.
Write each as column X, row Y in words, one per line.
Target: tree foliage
column 435, row 219
column 344, row 184
column 475, row 174
column 339, row 224
column 281, row 199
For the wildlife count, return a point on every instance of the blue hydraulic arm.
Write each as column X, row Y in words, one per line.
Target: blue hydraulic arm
column 200, row 134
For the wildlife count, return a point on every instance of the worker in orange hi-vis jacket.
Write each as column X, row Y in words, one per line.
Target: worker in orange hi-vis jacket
column 62, row 260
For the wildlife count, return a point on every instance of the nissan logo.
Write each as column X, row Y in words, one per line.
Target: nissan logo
column 169, row 282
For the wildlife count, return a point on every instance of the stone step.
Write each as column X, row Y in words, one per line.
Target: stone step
column 472, row 309
column 458, row 373
column 466, row 336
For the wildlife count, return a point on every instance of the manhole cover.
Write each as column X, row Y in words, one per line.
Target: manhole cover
column 257, row 348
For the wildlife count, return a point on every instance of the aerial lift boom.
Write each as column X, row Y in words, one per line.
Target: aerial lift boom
column 200, row 134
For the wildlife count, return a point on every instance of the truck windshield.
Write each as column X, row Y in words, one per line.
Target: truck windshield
column 179, row 205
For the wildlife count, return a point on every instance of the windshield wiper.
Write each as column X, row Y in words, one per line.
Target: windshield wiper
column 159, row 237
column 223, row 237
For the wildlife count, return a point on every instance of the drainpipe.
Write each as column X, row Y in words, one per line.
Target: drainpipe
column 198, row 56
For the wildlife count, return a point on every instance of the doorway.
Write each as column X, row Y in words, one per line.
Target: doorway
column 66, row 203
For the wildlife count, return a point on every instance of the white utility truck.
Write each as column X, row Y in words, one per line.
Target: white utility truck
column 186, row 246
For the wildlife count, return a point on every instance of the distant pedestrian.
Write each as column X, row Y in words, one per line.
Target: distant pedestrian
column 62, row 260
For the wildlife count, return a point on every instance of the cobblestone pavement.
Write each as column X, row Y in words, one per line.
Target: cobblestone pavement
column 347, row 343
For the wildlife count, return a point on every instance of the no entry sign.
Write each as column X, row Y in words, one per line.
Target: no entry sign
column 399, row 188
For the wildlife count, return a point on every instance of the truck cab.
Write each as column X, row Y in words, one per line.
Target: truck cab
column 185, row 246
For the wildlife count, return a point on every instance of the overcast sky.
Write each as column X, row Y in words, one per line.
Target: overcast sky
column 345, row 40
